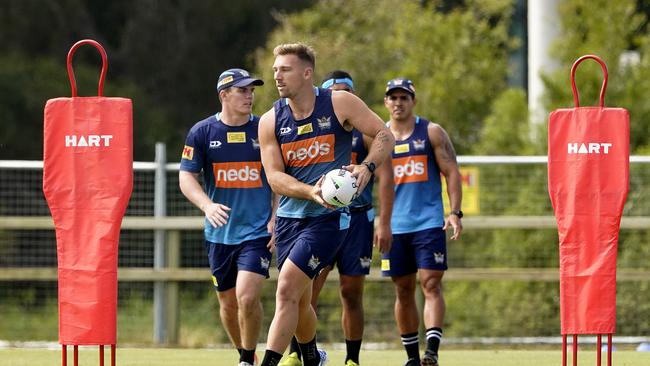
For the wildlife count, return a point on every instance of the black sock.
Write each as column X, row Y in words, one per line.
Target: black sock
column 271, row 358
column 411, row 344
column 310, row 354
column 294, row 347
column 239, row 350
column 247, row 356
column 434, row 335
column 352, row 348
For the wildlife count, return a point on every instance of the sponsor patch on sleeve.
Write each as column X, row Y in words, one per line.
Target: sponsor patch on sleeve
column 188, row 152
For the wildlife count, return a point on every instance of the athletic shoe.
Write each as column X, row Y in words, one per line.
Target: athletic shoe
column 351, row 363
column 323, row 357
column 412, row 362
column 430, row 359
column 291, row 360
column 244, row 363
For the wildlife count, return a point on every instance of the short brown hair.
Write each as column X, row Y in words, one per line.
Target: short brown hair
column 302, row 51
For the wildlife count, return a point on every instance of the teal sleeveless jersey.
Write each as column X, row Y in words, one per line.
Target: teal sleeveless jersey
column 418, row 199
column 311, row 147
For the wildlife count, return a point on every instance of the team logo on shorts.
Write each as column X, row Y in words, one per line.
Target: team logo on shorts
column 324, row 123
column 264, row 263
column 365, row 262
column 313, row 262
column 439, row 257
column 214, row 281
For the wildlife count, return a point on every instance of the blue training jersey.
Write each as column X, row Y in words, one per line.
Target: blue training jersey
column 311, row 147
column 359, row 154
column 233, row 176
column 418, row 199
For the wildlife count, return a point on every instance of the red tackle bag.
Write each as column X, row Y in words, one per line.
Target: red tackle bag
column 588, row 180
column 87, row 181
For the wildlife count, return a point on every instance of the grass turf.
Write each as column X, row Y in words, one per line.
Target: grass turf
column 220, row 357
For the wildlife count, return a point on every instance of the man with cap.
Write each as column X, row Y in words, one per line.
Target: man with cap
column 238, row 205
column 354, row 256
column 422, row 152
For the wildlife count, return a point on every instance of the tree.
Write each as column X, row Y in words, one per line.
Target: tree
column 164, row 54
column 457, row 58
column 614, row 32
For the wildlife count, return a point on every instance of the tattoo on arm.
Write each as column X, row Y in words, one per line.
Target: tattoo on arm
column 449, row 154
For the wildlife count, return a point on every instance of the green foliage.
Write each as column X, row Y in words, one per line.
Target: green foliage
column 507, row 129
column 607, row 29
column 165, row 55
column 27, row 83
column 457, row 59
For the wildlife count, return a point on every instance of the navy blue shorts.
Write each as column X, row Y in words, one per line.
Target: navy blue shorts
column 425, row 249
column 355, row 255
column 310, row 242
column 227, row 260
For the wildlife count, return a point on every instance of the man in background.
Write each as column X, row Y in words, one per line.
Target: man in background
column 422, row 151
column 237, row 203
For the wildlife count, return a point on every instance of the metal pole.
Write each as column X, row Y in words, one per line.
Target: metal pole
column 159, row 259
column 599, row 345
column 543, row 28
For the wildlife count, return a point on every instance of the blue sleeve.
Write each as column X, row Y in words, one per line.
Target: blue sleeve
column 192, row 155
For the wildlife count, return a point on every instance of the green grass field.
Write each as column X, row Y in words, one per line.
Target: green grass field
column 204, row 357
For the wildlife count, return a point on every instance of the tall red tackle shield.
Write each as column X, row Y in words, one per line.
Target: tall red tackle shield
column 588, row 182
column 87, row 181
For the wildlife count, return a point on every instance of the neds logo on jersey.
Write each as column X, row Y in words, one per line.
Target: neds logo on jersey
column 410, row 169
column 238, row 174
column 319, row 149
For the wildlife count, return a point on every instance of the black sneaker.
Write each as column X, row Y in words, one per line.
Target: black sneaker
column 412, row 362
column 429, row 359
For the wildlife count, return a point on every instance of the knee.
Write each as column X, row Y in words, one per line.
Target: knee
column 286, row 296
column 352, row 297
column 405, row 293
column 248, row 303
column 432, row 287
column 228, row 304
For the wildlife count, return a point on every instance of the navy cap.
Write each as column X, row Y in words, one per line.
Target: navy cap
column 237, row 78
column 400, row 83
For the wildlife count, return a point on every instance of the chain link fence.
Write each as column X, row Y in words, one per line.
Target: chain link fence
column 503, row 187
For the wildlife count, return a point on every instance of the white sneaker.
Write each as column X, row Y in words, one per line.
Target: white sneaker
column 244, row 363
column 323, row 357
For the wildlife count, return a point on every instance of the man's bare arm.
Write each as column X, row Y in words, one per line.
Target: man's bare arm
column 216, row 213
column 383, row 237
column 353, row 111
column 446, row 159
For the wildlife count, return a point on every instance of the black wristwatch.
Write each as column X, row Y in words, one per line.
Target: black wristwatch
column 458, row 213
column 370, row 165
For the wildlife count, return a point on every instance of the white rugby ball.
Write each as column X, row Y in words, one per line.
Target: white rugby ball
column 339, row 188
